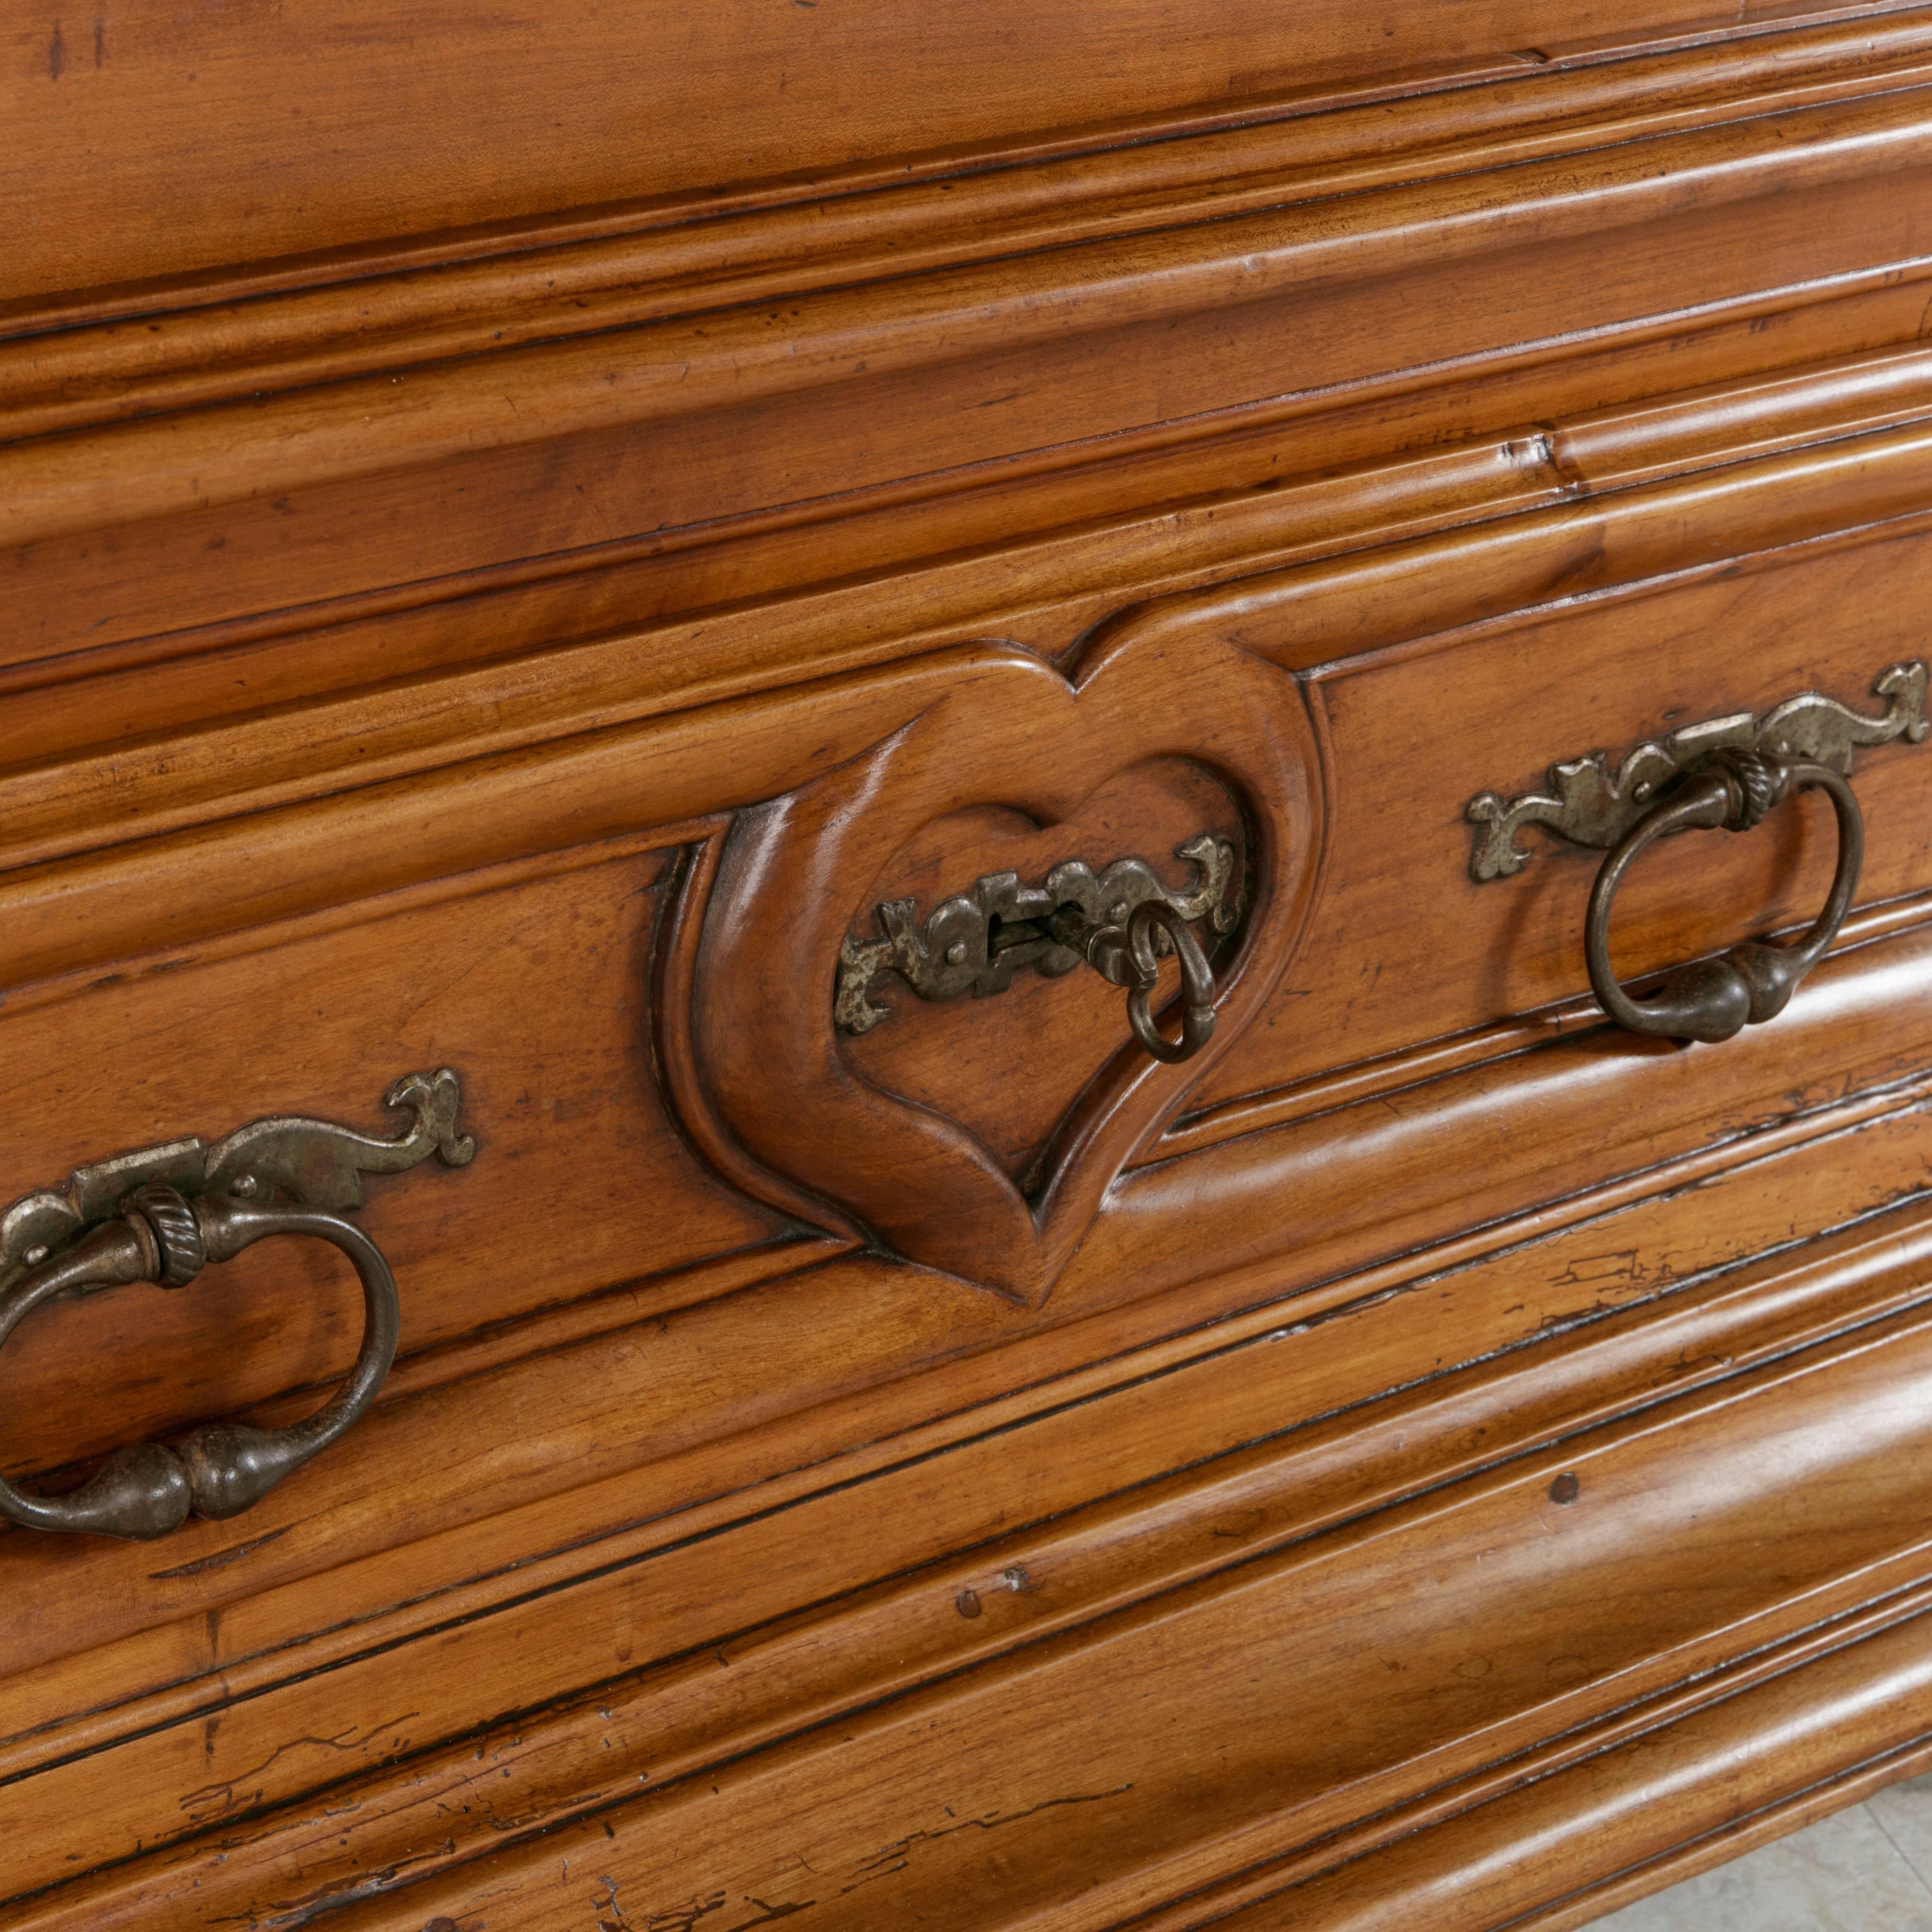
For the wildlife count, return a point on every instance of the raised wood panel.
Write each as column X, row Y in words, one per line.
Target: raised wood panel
column 1865, row 593
column 531, row 1458
column 1430, row 951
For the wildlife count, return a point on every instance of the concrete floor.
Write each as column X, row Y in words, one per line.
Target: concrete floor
column 1868, row 1869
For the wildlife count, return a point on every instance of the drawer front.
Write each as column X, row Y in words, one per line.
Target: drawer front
column 699, row 1053
column 535, row 992
column 1423, row 727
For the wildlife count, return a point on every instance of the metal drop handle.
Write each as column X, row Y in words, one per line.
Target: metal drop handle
column 161, row 1214
column 1714, row 999
column 147, row 1489
column 1117, row 919
column 1125, row 956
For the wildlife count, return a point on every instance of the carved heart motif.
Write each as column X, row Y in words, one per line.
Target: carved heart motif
column 1000, row 733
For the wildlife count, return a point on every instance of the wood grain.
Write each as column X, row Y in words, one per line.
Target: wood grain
column 840, row 1313
column 1647, row 1319
column 796, row 875
column 1279, row 1721
column 516, row 535
column 1013, row 549
column 1086, row 339
column 111, row 107
column 698, row 259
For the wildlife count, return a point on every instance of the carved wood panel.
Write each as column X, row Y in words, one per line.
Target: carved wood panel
column 1012, row 766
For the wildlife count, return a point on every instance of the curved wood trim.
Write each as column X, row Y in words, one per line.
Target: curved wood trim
column 672, row 981
column 484, row 293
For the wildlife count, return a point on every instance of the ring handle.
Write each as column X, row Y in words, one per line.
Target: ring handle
column 147, row 1489
column 1714, row 999
column 1118, row 957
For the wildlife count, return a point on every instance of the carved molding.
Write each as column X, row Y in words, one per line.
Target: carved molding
column 756, row 1064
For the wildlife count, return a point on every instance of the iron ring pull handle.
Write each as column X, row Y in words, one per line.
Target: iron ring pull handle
column 1714, row 999
column 1126, row 955
column 146, row 1490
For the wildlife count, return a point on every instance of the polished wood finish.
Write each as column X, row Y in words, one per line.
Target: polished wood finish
column 520, row 602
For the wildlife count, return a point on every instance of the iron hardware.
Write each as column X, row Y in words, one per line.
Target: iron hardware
column 1121, row 921
column 161, row 1214
column 1589, row 804
column 1727, row 773
column 1714, row 999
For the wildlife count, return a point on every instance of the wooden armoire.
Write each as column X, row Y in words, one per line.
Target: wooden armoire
column 963, row 967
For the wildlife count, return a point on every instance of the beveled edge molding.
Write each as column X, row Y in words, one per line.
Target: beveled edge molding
column 1808, row 1725
column 1810, row 45
column 527, row 774
column 404, row 303
column 332, row 417
column 1736, row 1319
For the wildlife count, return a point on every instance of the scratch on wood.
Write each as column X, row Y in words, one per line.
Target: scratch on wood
column 893, row 1857
column 220, row 1560
column 1590, row 1270
column 883, row 1863
column 681, row 1919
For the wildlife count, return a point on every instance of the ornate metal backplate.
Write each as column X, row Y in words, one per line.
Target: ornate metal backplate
column 1590, row 804
column 315, row 1163
column 975, row 942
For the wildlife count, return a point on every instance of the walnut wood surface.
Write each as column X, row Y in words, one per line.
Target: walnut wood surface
column 512, row 547
column 1573, row 1286
column 115, row 107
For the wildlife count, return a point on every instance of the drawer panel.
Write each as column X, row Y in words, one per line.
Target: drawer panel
column 1340, row 788
column 1416, row 731
column 535, row 990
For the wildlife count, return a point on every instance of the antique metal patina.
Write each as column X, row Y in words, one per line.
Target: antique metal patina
column 162, row 1213
column 1713, row 999
column 1590, row 804
column 1121, row 921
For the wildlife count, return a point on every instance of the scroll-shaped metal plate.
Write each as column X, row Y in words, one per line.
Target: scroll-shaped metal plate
column 314, row 1162
column 1590, row 803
